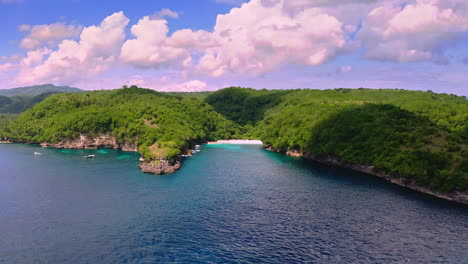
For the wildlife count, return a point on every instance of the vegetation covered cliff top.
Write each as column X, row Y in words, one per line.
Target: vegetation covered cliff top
column 161, row 125
column 421, row 137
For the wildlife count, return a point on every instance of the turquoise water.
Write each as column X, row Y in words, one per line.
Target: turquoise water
column 228, row 204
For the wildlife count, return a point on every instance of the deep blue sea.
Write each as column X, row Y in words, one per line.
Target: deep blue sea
column 228, row 204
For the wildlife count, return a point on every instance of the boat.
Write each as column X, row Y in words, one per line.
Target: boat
column 185, row 156
column 90, row 156
column 37, row 154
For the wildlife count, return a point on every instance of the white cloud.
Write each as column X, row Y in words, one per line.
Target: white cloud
column 150, row 47
column 255, row 38
column 96, row 51
column 165, row 12
column 6, row 67
column 168, row 84
column 47, row 35
column 194, row 86
column 418, row 31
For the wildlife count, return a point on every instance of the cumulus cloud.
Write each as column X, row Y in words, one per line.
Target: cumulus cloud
column 258, row 38
column 47, row 35
column 97, row 49
column 6, row 67
column 150, row 48
column 255, row 38
column 415, row 32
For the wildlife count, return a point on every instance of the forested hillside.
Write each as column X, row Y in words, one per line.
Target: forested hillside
column 39, row 89
column 419, row 136
column 161, row 125
column 20, row 103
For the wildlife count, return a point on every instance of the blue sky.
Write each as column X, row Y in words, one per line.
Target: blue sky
column 274, row 44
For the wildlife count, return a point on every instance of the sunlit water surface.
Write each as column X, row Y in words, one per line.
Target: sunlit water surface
column 228, row 204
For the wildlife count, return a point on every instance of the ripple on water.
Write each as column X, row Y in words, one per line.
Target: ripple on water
column 227, row 204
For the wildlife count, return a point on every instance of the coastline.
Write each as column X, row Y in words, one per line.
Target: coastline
column 457, row 197
column 165, row 166
column 237, row 141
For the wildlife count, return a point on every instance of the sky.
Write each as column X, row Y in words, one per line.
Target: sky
column 211, row 44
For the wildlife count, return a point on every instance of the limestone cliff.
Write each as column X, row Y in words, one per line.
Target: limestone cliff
column 98, row 142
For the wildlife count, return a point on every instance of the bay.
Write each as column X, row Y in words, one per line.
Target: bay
column 228, row 204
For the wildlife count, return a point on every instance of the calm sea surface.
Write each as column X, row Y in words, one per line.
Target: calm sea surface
column 228, row 204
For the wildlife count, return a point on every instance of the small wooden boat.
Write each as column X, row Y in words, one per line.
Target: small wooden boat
column 90, row 156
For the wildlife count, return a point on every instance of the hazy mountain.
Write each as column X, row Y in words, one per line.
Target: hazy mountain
column 39, row 89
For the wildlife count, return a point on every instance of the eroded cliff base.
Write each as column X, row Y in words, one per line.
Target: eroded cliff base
column 160, row 166
column 103, row 141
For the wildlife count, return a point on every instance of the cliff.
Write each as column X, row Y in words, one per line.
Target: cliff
column 455, row 196
column 98, row 142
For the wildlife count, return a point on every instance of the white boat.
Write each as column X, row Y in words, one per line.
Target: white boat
column 37, row 154
column 197, row 146
column 185, row 156
column 90, row 156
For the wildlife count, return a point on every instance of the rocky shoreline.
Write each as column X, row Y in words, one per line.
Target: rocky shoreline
column 160, row 166
column 458, row 197
column 106, row 141
column 103, row 141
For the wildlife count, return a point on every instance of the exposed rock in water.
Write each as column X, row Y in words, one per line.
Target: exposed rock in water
column 455, row 196
column 99, row 142
column 160, row 166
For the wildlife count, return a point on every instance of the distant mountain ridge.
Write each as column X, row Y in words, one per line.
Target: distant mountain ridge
column 39, row 89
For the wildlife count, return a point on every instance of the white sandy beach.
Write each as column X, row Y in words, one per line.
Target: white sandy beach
column 238, row 141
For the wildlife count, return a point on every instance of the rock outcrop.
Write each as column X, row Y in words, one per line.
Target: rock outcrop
column 98, row 142
column 160, row 166
column 456, row 196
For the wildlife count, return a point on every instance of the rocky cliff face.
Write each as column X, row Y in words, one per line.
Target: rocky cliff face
column 458, row 197
column 101, row 141
column 160, row 166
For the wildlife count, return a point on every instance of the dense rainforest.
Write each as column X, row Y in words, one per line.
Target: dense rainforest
column 418, row 136
column 161, row 125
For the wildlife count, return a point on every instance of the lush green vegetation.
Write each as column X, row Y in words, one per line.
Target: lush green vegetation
column 6, row 120
column 39, row 89
column 197, row 95
column 20, row 103
column 420, row 136
column 162, row 125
